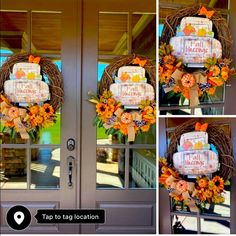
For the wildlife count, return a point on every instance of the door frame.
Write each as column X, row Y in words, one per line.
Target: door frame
column 70, row 125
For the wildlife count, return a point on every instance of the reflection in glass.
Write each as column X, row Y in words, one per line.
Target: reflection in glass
column 14, row 35
column 144, row 34
column 110, row 168
column 46, row 33
column 209, row 226
column 5, row 138
column 113, row 28
column 184, row 225
column 52, row 134
column 142, row 168
column 45, row 168
column 13, row 167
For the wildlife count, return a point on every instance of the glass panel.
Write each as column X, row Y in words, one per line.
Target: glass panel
column 113, row 28
column 46, row 33
column 209, row 111
column 142, row 168
column 219, row 209
column 110, row 168
column 147, row 137
column 45, row 168
column 13, row 169
column 14, row 35
column 176, row 112
column 184, row 225
column 5, row 138
column 209, row 226
column 144, row 34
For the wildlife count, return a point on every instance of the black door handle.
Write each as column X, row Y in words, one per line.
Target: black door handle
column 70, row 160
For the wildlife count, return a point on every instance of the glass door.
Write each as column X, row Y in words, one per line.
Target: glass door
column 35, row 173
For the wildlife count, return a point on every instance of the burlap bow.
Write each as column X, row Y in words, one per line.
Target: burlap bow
column 200, row 78
column 184, row 192
column 17, row 118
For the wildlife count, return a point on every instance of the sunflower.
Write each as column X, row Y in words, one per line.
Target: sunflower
column 34, row 110
column 219, row 184
column 101, row 108
column 38, row 119
column 215, row 70
column 208, row 194
column 124, row 129
column 111, row 101
column 169, row 59
column 48, row 110
column 202, row 182
column 218, row 199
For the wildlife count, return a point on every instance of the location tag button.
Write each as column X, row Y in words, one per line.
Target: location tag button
column 19, row 217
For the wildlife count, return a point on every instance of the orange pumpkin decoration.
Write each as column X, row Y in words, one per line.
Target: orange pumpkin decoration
column 126, row 118
column 188, row 80
column 19, row 74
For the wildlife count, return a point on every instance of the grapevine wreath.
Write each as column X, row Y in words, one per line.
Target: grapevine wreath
column 194, row 171
column 29, row 74
column 125, row 103
column 187, row 69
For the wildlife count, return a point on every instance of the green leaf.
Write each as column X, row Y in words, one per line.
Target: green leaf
column 93, row 101
column 12, row 133
column 182, row 99
column 4, row 128
column 227, row 183
column 170, row 94
column 32, row 135
column 95, row 120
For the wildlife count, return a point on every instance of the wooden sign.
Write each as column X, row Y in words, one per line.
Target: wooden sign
column 26, row 91
column 131, row 74
column 25, row 70
column 195, row 50
column 196, row 26
column 198, row 162
column 194, row 137
column 132, row 93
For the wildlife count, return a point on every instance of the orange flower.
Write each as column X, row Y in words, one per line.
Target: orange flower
column 169, row 59
column 111, row 101
column 202, row 183
column 38, row 120
column 176, row 89
column 219, row 184
column 215, row 70
column 181, row 186
column 186, row 93
column 145, row 128
column 165, row 76
column 208, row 193
column 48, row 109
column 211, row 91
column 188, row 80
column 13, row 112
column 124, row 129
column 34, row 110
column 148, row 110
column 179, row 198
column 9, row 124
column 101, row 108
column 126, row 118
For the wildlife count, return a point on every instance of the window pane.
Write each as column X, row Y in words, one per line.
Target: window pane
column 144, row 34
column 209, row 226
column 45, row 168
column 46, row 33
column 222, row 209
column 5, row 138
column 142, row 168
column 110, row 168
column 184, row 225
column 113, row 36
column 13, row 169
column 14, row 35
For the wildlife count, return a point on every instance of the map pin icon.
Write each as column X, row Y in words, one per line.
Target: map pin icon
column 19, row 217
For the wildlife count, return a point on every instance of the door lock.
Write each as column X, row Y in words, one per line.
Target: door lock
column 70, row 144
column 70, row 163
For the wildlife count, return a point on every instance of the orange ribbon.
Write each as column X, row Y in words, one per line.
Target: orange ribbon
column 201, row 127
column 139, row 62
column 204, row 12
column 33, row 59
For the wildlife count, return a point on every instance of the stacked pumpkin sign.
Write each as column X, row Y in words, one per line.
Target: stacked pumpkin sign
column 195, row 62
